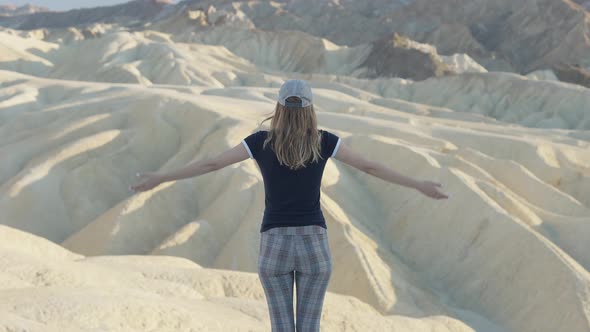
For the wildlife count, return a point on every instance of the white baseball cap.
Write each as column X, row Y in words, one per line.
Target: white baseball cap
column 295, row 88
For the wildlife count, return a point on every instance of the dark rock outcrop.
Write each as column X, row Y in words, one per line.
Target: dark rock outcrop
column 398, row 56
column 572, row 73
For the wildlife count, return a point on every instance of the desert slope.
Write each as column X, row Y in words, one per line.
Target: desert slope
column 48, row 288
column 515, row 223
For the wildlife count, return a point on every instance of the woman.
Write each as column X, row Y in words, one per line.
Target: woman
column 294, row 243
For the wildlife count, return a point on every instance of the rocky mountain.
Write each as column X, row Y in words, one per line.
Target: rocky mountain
column 13, row 10
column 573, row 73
column 127, row 14
column 501, row 35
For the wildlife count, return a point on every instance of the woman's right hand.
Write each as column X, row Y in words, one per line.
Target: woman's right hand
column 147, row 181
column 430, row 189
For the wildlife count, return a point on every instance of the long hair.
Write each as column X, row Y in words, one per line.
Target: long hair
column 293, row 135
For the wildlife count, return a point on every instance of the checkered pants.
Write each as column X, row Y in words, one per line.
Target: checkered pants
column 299, row 254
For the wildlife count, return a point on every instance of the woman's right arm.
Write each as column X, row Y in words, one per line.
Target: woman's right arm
column 346, row 155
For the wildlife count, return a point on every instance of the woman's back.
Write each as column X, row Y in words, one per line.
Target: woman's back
column 292, row 197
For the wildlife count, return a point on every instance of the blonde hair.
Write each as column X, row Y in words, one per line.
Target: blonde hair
column 293, row 135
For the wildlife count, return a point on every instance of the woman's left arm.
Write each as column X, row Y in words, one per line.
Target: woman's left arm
column 149, row 180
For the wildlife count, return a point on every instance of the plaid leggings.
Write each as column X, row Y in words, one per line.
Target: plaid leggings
column 299, row 254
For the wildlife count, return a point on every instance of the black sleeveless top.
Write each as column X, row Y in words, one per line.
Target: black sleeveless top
column 292, row 197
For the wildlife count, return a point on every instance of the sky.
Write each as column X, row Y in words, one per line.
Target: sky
column 64, row 4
